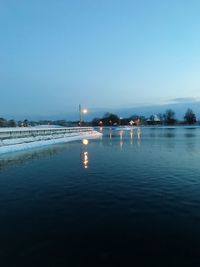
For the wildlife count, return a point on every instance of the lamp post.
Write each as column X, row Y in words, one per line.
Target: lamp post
column 120, row 118
column 81, row 112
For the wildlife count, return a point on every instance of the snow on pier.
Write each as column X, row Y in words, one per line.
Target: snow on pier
column 15, row 139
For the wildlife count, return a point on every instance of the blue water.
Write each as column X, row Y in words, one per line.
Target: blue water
column 129, row 200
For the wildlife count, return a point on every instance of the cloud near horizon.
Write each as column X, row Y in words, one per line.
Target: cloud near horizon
column 185, row 99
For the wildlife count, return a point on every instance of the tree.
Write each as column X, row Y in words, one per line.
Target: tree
column 134, row 117
column 106, row 115
column 151, row 117
column 154, row 120
column 25, row 123
column 3, row 122
column 96, row 122
column 160, row 116
column 169, row 116
column 190, row 117
column 12, row 123
column 19, row 123
column 110, row 119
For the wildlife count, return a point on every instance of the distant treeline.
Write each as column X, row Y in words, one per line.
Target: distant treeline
column 167, row 118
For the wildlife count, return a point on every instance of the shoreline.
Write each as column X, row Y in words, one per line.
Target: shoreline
column 40, row 138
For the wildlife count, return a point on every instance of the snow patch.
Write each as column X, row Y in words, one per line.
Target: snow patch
column 17, row 144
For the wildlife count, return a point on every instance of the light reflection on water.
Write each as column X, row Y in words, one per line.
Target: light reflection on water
column 84, row 155
column 128, row 197
column 133, row 134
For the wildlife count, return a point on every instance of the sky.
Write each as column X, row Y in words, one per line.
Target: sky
column 105, row 54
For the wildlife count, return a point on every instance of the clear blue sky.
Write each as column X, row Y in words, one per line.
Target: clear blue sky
column 103, row 54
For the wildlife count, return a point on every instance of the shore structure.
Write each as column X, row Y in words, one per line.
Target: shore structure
column 16, row 139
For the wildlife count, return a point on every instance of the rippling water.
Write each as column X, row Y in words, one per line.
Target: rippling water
column 128, row 199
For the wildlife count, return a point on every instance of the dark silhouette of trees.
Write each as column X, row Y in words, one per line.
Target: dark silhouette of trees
column 161, row 117
column 106, row 115
column 169, row 117
column 3, row 122
column 134, row 117
column 190, row 117
column 151, row 117
column 154, row 120
column 110, row 119
column 25, row 123
column 96, row 122
column 12, row 123
column 143, row 120
column 124, row 121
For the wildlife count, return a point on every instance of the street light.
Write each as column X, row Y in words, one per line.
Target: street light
column 81, row 112
column 120, row 118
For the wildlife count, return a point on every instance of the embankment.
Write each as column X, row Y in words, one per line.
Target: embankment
column 16, row 139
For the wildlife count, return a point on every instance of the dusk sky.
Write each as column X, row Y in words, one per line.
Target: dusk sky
column 102, row 54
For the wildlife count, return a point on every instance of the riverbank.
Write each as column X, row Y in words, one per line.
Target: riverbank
column 16, row 139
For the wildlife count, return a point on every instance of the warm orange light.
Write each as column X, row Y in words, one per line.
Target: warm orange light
column 85, row 159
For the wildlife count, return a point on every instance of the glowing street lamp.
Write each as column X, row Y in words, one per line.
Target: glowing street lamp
column 84, row 111
column 81, row 112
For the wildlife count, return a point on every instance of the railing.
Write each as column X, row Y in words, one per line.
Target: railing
column 32, row 132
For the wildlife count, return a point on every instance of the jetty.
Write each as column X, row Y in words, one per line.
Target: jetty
column 21, row 138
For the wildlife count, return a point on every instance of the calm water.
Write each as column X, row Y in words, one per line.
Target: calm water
column 117, row 201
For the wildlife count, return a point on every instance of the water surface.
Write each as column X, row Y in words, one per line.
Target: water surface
column 128, row 199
